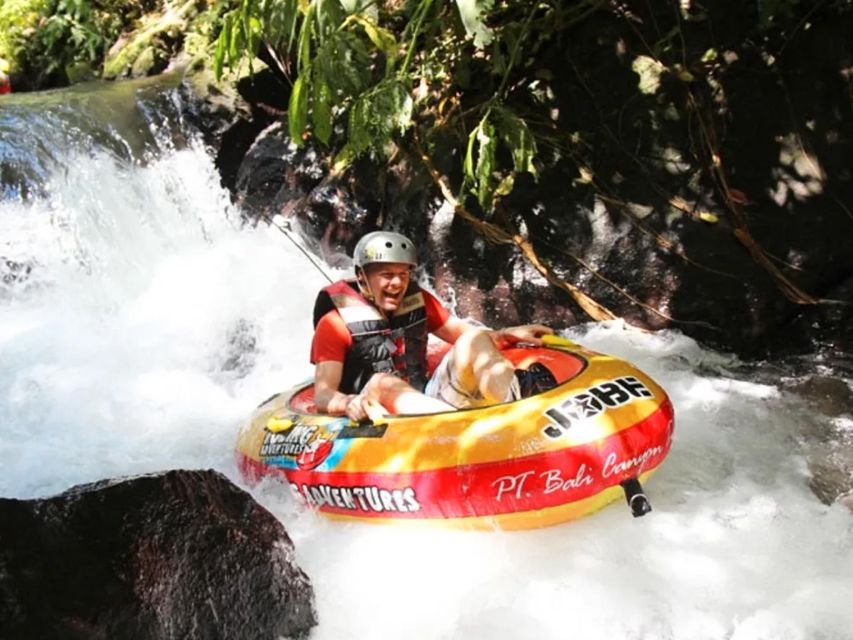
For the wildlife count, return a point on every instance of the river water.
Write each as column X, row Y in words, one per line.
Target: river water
column 140, row 323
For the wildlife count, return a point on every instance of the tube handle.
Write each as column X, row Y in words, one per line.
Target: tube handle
column 553, row 340
column 636, row 497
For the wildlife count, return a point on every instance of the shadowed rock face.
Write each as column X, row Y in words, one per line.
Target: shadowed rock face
column 185, row 554
column 631, row 212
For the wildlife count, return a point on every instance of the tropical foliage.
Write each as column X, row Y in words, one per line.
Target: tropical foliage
column 47, row 39
column 58, row 42
column 373, row 77
column 364, row 73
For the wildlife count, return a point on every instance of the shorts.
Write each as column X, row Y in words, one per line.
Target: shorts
column 444, row 386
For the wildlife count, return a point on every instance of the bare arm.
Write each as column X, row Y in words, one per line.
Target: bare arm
column 327, row 380
column 530, row 333
column 452, row 329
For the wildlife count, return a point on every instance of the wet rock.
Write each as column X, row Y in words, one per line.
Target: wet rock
column 829, row 395
column 827, row 434
column 827, row 326
column 631, row 211
column 275, row 172
column 231, row 112
column 279, row 178
column 148, row 49
column 13, row 272
column 832, row 475
column 184, row 554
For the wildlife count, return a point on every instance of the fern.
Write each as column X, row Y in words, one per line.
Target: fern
column 377, row 115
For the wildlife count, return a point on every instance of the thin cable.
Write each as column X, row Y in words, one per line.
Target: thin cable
column 285, row 229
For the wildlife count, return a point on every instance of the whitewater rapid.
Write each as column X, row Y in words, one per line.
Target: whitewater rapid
column 144, row 322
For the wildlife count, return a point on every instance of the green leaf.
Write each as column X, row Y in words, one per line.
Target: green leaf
column 516, row 135
column 381, row 38
column 330, row 16
column 221, row 47
column 345, row 158
column 303, row 59
column 471, row 12
column 506, row 185
column 358, row 127
column 297, row 112
column 377, row 114
column 321, row 111
column 343, row 63
column 235, row 46
column 468, row 164
column 650, row 71
column 486, row 151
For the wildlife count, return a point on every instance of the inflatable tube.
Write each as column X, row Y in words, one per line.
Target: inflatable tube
column 539, row 461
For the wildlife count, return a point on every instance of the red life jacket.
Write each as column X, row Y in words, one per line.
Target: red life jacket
column 395, row 345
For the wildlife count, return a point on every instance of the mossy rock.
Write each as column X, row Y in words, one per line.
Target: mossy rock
column 146, row 63
column 141, row 52
column 79, row 72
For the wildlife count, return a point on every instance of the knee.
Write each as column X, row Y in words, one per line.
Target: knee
column 381, row 384
column 474, row 341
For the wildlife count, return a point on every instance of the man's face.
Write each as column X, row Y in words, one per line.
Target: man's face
column 388, row 282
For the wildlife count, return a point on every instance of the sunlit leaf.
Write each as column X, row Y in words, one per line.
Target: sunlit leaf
column 468, row 164
column 330, row 15
column 650, row 71
column 486, row 150
column 516, row 135
column 381, row 38
column 343, row 159
column 377, row 114
column 303, row 59
column 709, row 56
column 221, row 46
column 321, row 107
column 472, row 14
column 505, row 186
column 297, row 113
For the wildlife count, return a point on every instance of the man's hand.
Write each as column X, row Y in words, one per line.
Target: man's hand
column 355, row 408
column 527, row 333
column 360, row 407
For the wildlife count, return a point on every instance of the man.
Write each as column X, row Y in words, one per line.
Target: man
column 370, row 343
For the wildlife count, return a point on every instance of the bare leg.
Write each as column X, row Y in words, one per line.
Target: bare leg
column 480, row 366
column 399, row 397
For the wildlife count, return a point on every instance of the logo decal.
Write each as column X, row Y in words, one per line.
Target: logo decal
column 308, row 444
column 591, row 402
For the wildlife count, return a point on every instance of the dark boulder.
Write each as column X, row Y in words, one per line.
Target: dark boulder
column 184, row 554
column 330, row 211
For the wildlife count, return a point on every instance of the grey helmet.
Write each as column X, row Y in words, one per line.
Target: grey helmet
column 384, row 246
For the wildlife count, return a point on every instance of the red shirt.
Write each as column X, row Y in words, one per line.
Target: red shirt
column 332, row 339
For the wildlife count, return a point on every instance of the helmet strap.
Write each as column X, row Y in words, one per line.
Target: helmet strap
column 363, row 286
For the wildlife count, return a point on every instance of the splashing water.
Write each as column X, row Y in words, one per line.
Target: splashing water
column 140, row 324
